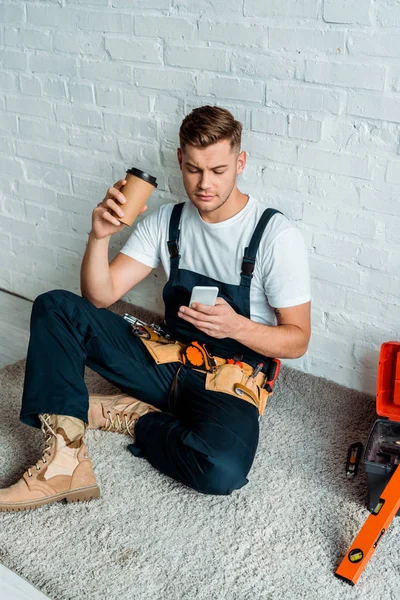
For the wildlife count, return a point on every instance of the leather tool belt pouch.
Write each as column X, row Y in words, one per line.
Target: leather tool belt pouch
column 235, row 380
column 164, row 352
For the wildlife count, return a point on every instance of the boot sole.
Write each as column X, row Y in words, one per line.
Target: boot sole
column 87, row 493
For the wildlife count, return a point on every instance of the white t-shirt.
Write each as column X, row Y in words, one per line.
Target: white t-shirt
column 281, row 275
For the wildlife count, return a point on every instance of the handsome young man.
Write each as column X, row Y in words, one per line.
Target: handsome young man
column 195, row 422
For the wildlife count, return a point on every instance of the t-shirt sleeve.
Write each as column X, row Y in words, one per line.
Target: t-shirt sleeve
column 144, row 242
column 286, row 272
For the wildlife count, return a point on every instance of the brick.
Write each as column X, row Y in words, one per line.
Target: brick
column 92, row 140
column 42, row 129
column 78, row 116
column 35, row 193
column 280, row 176
column 369, row 77
column 357, row 224
column 30, row 86
column 302, row 97
column 237, row 34
column 141, row 4
column 393, row 172
column 59, row 65
column 388, row 312
column 374, row 44
column 55, row 88
column 80, row 186
column 169, row 105
column 134, row 50
column 262, row 67
column 57, row 17
column 8, row 81
column 81, row 93
column 393, row 233
column 165, row 79
column 201, row 7
column 373, row 258
column 8, row 122
column 165, row 27
column 14, row 59
column 136, row 101
column 327, row 294
column 13, row 207
column 305, row 128
column 101, row 71
column 130, row 126
column 306, row 40
column 314, row 214
column 386, row 284
column 110, row 22
column 208, row 59
column 374, row 106
column 266, row 148
column 341, row 163
column 343, row 275
column 93, row 165
column 269, row 122
column 381, row 201
column 28, row 38
column 10, row 167
column 334, row 246
column 388, row 14
column 11, row 13
column 277, row 8
column 78, row 43
column 47, row 154
column 110, row 97
column 329, row 346
column 361, row 303
column 233, row 88
column 342, row 11
column 54, row 177
column 78, row 205
column 69, row 260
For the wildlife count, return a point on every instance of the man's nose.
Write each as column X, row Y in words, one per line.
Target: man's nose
column 204, row 182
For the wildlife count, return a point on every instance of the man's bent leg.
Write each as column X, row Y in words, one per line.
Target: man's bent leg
column 69, row 332
column 208, row 444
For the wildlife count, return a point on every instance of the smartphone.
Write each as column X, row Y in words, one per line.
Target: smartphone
column 204, row 294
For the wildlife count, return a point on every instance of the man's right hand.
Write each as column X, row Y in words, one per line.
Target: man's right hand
column 104, row 221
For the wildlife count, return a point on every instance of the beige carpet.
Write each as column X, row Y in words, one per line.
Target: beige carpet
column 150, row 538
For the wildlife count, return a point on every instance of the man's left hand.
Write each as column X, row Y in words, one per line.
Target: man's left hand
column 219, row 321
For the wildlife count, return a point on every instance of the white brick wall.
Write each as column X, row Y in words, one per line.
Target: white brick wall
column 89, row 87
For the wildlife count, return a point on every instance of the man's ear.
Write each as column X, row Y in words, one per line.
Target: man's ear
column 241, row 162
column 179, row 155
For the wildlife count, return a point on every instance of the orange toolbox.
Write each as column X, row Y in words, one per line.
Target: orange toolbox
column 385, row 432
column 381, row 465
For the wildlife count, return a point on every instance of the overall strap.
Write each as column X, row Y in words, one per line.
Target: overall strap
column 173, row 235
column 250, row 252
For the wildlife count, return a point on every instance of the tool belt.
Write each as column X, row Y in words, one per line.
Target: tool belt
column 225, row 375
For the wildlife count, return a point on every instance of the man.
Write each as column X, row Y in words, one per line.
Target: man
column 195, row 417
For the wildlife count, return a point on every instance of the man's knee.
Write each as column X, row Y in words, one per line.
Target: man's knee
column 47, row 300
column 222, row 479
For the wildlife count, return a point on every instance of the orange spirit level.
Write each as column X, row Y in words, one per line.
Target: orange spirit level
column 371, row 532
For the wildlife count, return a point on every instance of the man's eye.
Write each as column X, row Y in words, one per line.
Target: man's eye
column 219, row 172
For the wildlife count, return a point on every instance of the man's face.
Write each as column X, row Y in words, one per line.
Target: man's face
column 209, row 174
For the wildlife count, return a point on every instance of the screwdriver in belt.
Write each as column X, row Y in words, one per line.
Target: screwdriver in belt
column 255, row 372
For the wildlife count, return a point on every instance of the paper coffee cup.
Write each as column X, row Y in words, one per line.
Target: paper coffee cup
column 139, row 185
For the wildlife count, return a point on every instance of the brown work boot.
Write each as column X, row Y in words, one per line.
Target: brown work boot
column 117, row 412
column 63, row 473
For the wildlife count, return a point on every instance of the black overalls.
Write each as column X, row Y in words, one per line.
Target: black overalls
column 205, row 439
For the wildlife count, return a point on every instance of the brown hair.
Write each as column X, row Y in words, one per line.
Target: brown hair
column 208, row 125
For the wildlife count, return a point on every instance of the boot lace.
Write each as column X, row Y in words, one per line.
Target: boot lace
column 116, row 424
column 49, row 436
